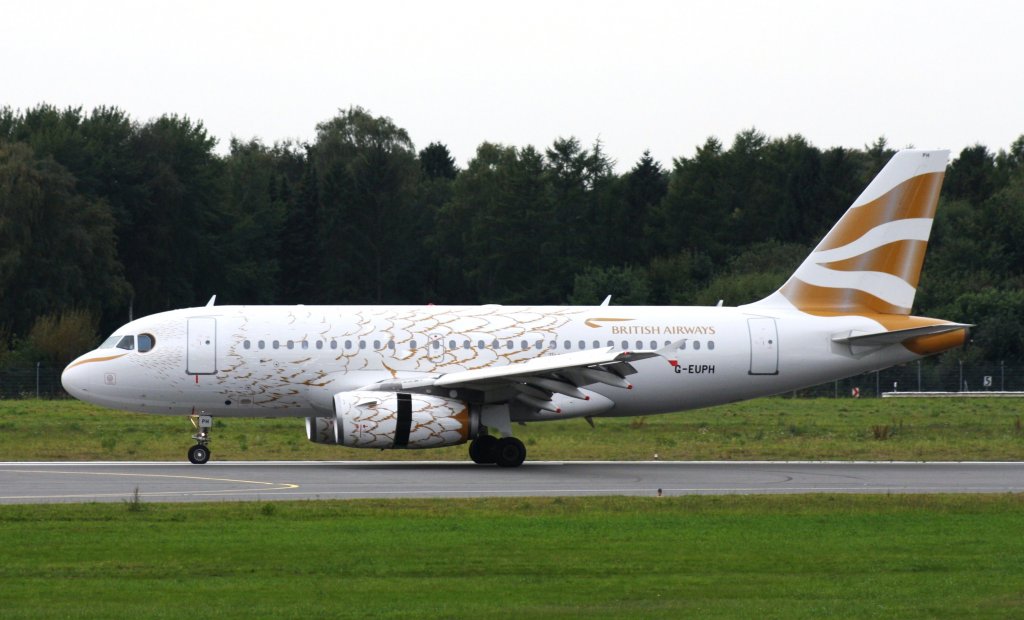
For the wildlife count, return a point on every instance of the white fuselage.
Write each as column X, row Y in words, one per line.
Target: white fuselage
column 267, row 361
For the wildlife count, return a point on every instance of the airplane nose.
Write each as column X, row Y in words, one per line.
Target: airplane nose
column 73, row 380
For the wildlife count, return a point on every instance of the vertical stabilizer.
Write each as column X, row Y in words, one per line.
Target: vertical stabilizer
column 870, row 262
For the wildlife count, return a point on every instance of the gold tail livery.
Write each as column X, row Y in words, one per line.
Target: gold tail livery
column 430, row 376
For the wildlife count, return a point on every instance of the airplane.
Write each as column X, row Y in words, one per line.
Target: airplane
column 415, row 377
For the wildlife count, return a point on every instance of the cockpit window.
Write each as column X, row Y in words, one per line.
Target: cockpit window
column 109, row 343
column 127, row 342
column 146, row 342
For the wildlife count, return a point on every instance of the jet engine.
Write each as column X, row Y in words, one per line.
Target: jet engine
column 368, row 419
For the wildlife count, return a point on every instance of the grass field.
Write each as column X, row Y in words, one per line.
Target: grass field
column 811, row 556
column 738, row 557
column 769, row 428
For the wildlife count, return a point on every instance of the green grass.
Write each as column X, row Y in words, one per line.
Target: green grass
column 769, row 428
column 738, row 557
column 765, row 557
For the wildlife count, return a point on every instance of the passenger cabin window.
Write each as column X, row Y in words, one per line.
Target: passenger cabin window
column 276, row 344
column 319, row 344
column 305, row 344
column 245, row 345
column 127, row 342
column 261, row 344
column 334, row 344
column 146, row 342
column 583, row 345
column 711, row 345
column 696, row 345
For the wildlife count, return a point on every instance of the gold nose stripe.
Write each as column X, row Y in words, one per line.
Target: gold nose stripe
column 96, row 359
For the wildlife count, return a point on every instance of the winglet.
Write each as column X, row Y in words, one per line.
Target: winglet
column 212, row 301
column 670, row 352
column 607, row 300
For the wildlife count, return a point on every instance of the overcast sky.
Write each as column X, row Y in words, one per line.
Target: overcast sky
column 636, row 75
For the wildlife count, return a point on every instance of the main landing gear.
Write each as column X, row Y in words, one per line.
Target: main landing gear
column 200, row 453
column 503, row 452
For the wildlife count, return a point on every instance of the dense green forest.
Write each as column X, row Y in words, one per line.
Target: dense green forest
column 103, row 217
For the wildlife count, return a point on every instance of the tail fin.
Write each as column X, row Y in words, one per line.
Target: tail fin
column 870, row 262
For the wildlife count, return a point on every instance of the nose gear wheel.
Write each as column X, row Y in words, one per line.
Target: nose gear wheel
column 200, row 453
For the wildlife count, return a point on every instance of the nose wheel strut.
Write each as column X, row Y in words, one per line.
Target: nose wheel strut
column 200, row 453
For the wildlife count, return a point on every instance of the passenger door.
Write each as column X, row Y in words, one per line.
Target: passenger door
column 764, row 346
column 201, row 358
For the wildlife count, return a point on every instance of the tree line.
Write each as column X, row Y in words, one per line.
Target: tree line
column 103, row 217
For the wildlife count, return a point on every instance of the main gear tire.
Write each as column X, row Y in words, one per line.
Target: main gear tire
column 483, row 450
column 511, row 452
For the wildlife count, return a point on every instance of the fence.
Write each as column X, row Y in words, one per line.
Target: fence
column 36, row 381
column 926, row 376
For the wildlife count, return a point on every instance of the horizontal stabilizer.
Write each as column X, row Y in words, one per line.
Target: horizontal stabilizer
column 897, row 336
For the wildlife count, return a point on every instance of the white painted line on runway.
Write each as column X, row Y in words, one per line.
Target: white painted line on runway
column 272, row 486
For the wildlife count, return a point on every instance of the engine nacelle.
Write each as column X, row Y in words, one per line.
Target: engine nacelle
column 320, row 430
column 367, row 419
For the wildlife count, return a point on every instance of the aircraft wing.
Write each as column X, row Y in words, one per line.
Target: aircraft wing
column 550, row 365
column 552, row 383
column 542, row 381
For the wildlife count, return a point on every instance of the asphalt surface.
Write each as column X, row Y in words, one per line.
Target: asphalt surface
column 266, row 480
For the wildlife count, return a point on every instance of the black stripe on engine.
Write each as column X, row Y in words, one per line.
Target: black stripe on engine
column 404, row 421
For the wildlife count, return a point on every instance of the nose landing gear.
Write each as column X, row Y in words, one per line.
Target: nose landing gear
column 200, row 453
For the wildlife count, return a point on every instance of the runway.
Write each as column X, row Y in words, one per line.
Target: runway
column 283, row 480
